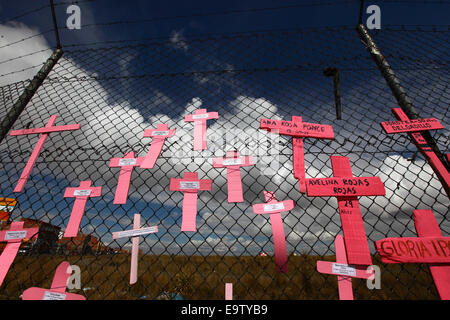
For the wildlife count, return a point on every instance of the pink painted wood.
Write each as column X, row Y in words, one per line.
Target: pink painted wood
column 159, row 136
column 199, row 118
column 126, row 169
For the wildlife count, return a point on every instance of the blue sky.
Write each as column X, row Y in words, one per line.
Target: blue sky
column 253, row 16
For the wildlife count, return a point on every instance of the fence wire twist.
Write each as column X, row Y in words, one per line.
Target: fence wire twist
column 118, row 91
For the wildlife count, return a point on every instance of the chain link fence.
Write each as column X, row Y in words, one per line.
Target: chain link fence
column 116, row 91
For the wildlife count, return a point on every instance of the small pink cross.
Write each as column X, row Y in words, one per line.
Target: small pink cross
column 159, row 135
column 190, row 185
column 57, row 290
column 274, row 208
column 233, row 162
column 81, row 195
column 135, row 233
column 199, row 118
column 126, row 164
column 14, row 237
column 49, row 128
column 344, row 272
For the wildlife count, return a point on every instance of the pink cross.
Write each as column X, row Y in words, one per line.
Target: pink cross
column 190, row 185
column 14, row 237
column 274, row 208
column 81, row 195
column 430, row 247
column 344, row 272
column 199, row 118
column 49, row 128
column 233, row 162
column 347, row 188
column 413, row 128
column 57, row 290
column 159, row 135
column 126, row 164
column 228, row 291
column 135, row 233
column 298, row 130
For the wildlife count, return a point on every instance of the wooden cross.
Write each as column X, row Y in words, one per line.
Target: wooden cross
column 126, row 164
column 199, row 118
column 274, row 209
column 45, row 131
column 81, row 195
column 57, row 290
column 347, row 188
column 298, row 130
column 233, row 162
column 429, row 247
column 413, row 128
column 228, row 291
column 13, row 237
column 159, row 135
column 189, row 185
column 135, row 233
column 343, row 270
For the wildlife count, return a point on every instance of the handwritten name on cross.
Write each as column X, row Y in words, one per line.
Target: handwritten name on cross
column 347, row 188
column 57, row 290
column 126, row 164
column 343, row 270
column 135, row 233
column 274, row 209
column 413, row 128
column 159, row 136
column 13, row 237
column 81, row 195
column 45, row 131
column 199, row 118
column 190, row 185
column 298, row 130
column 233, row 162
column 429, row 247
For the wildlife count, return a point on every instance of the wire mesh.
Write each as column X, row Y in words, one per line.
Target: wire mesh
column 116, row 92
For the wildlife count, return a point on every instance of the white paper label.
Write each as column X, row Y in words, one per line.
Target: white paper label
column 48, row 295
column 200, row 116
column 232, row 162
column 274, row 207
column 135, row 233
column 189, row 185
column 127, row 162
column 160, row 133
column 343, row 269
column 82, row 193
column 12, row 235
column 6, row 208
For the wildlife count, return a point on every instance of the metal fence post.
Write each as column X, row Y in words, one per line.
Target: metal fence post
column 397, row 90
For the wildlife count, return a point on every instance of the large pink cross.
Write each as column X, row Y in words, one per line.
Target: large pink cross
column 430, row 247
column 233, row 162
column 298, row 130
column 159, row 135
column 343, row 270
column 274, row 209
column 57, row 290
column 413, row 128
column 49, row 128
column 81, row 195
column 347, row 188
column 13, row 237
column 135, row 233
column 199, row 118
column 126, row 164
column 190, row 185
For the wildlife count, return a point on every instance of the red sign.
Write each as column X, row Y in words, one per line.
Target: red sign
column 415, row 125
column 430, row 247
column 334, row 187
column 434, row 161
